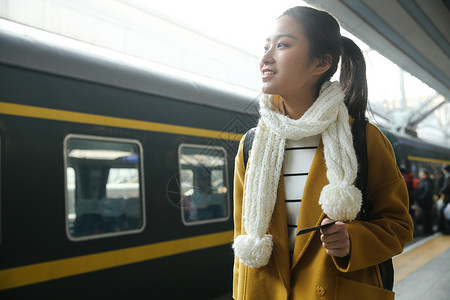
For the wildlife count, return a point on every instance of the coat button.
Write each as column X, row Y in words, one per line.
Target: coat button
column 320, row 291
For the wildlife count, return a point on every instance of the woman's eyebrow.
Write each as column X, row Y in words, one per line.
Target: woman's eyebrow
column 282, row 35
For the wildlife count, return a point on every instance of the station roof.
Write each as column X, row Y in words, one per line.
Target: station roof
column 414, row 34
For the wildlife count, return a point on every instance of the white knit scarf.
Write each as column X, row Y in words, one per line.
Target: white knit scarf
column 340, row 199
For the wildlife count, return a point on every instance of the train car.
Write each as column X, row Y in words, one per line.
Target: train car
column 116, row 176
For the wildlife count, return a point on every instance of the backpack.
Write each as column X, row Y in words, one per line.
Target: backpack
column 360, row 145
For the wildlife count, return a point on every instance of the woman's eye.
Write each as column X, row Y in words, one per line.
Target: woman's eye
column 266, row 48
column 282, row 45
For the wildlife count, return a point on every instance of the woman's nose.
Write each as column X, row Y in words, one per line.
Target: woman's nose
column 267, row 57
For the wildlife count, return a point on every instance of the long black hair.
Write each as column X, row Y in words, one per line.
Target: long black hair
column 323, row 33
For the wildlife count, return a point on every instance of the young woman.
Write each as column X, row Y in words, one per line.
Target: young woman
column 301, row 173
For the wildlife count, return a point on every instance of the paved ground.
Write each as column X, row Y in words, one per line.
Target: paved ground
column 431, row 281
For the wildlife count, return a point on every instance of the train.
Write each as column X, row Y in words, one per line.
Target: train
column 117, row 174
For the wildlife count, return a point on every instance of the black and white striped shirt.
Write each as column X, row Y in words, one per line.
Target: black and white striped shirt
column 298, row 157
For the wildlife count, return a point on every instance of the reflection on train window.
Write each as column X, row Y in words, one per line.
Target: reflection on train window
column 103, row 187
column 203, row 188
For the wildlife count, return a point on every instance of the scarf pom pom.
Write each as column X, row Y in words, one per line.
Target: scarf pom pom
column 254, row 252
column 341, row 201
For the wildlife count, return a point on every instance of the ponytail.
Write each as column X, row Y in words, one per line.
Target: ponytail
column 353, row 79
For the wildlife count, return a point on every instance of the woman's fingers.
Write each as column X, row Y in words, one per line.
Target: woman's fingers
column 335, row 239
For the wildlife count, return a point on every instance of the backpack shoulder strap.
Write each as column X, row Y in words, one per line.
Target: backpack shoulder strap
column 360, row 145
column 248, row 142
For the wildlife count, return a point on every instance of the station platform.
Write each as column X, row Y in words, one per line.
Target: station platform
column 422, row 271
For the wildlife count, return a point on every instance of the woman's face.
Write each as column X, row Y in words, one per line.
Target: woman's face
column 286, row 67
column 422, row 175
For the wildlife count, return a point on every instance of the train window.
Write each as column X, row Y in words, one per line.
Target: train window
column 203, row 188
column 104, row 191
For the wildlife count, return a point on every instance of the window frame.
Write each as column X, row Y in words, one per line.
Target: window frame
column 226, row 184
column 141, row 187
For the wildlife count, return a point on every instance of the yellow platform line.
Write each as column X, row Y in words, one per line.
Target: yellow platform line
column 84, row 118
column 31, row 274
column 407, row 263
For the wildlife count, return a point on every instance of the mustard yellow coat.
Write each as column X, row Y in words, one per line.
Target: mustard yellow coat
column 314, row 274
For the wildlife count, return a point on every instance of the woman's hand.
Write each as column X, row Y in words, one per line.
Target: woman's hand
column 335, row 239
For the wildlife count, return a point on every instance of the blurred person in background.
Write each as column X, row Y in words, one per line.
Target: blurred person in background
column 424, row 198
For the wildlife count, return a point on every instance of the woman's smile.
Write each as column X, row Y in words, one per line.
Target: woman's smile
column 267, row 74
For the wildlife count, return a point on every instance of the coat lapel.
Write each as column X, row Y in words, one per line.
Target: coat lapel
column 311, row 213
column 278, row 229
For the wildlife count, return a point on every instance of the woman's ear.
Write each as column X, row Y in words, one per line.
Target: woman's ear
column 323, row 64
